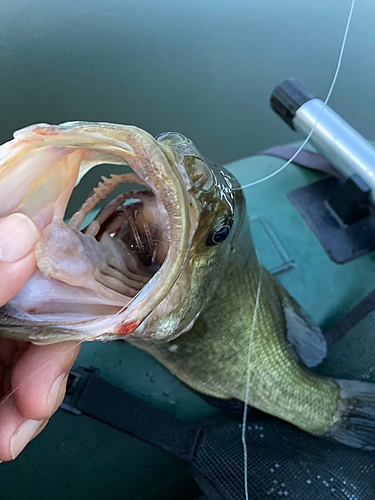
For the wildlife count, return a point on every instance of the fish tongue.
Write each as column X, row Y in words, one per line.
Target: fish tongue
column 80, row 260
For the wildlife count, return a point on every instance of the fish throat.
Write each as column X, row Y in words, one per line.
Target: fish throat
column 115, row 255
column 132, row 229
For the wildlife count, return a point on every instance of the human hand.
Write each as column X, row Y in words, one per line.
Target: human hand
column 36, row 373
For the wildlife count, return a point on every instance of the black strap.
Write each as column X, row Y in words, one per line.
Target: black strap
column 352, row 318
column 127, row 413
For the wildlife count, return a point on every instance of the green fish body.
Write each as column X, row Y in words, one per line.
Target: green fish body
column 175, row 273
column 254, row 343
column 212, row 357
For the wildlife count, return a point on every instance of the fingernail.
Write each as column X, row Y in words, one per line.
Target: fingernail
column 56, row 393
column 23, row 436
column 18, row 237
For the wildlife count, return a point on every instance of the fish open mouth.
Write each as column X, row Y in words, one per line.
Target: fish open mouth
column 134, row 229
column 107, row 276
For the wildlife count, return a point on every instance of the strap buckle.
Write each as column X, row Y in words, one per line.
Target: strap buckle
column 76, row 381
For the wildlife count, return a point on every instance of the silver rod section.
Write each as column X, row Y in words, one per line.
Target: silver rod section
column 335, row 139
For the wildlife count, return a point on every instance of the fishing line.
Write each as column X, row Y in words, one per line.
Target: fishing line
column 247, row 395
column 5, row 398
column 338, row 66
column 259, row 283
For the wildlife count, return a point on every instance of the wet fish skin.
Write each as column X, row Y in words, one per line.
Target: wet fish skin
column 221, row 203
column 212, row 357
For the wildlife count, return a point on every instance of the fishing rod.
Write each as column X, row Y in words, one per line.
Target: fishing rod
column 340, row 209
column 348, row 151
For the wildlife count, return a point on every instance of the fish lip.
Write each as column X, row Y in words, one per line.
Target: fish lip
column 169, row 188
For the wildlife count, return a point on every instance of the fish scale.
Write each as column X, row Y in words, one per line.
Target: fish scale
column 196, row 312
column 212, row 357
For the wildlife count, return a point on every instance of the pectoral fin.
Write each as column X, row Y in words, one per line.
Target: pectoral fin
column 303, row 336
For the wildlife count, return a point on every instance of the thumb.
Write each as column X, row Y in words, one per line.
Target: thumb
column 18, row 237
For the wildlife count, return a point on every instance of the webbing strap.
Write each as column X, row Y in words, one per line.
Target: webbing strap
column 350, row 320
column 127, row 413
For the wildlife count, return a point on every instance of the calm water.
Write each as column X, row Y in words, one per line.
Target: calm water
column 202, row 67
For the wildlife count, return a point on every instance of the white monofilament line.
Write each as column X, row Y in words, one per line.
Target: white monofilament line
column 244, row 416
column 259, row 284
column 39, row 369
column 258, row 292
column 321, row 111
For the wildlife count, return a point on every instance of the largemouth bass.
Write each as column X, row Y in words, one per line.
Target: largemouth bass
column 174, row 272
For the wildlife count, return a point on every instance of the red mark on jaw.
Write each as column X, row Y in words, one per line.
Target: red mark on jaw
column 127, row 328
column 45, row 131
column 31, row 311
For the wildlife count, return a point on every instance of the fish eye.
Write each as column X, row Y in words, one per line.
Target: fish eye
column 220, row 232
